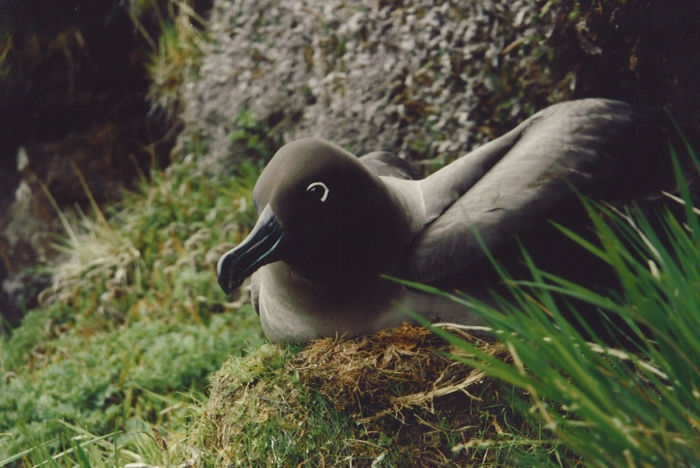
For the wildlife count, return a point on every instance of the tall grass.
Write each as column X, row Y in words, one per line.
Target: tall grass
column 611, row 406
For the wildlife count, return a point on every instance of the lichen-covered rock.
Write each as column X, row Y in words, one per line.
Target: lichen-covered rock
column 432, row 79
column 420, row 78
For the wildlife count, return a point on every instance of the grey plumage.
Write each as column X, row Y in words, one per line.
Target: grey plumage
column 510, row 183
column 332, row 223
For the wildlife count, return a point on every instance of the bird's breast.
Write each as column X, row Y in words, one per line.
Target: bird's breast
column 294, row 310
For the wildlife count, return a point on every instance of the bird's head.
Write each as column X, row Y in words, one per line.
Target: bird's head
column 321, row 211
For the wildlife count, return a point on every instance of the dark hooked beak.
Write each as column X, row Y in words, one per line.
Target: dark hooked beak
column 255, row 251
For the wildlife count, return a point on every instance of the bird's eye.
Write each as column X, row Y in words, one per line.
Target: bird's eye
column 318, row 188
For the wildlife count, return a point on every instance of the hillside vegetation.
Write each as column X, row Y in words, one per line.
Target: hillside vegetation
column 136, row 356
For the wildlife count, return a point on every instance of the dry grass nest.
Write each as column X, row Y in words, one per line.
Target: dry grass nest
column 391, row 370
column 401, row 382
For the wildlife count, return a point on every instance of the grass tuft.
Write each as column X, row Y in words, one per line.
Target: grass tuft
column 178, row 55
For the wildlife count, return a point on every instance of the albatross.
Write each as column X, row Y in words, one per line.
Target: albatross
column 331, row 225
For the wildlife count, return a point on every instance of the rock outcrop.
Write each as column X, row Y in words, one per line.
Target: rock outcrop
column 427, row 79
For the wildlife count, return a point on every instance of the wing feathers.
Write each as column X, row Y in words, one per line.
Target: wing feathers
column 513, row 182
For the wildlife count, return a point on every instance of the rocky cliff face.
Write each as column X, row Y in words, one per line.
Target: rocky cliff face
column 421, row 78
column 428, row 79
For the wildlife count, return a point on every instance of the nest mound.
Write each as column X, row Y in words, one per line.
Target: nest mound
column 389, row 371
column 397, row 393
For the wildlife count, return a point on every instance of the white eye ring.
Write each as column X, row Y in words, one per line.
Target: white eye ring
column 321, row 184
